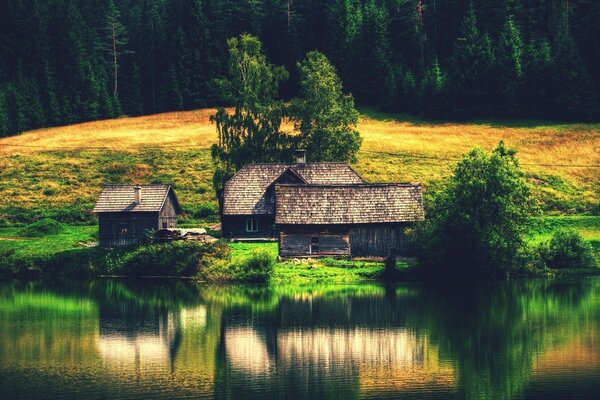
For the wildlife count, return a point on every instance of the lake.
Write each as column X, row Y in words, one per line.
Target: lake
column 132, row 339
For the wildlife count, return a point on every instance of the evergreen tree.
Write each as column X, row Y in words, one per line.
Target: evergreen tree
column 4, row 122
column 538, row 66
column 372, row 69
column 509, row 69
column 432, row 93
column 576, row 99
column 472, row 64
column 325, row 117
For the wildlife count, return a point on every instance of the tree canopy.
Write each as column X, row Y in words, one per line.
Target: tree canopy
column 324, row 116
column 252, row 132
column 529, row 58
column 476, row 224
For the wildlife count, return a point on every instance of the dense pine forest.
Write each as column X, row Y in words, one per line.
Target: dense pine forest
column 65, row 61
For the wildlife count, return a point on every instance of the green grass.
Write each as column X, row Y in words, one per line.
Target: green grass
column 72, row 237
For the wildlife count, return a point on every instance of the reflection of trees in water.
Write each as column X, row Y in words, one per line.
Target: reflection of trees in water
column 320, row 341
column 491, row 333
column 494, row 332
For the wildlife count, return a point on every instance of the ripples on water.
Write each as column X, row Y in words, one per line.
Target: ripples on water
column 127, row 339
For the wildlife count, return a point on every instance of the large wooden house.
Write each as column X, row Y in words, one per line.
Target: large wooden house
column 247, row 204
column 319, row 209
column 127, row 212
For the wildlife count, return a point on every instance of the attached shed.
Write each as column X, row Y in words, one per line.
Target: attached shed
column 127, row 212
column 346, row 220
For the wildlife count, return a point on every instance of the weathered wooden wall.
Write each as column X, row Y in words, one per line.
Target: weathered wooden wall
column 314, row 241
column 168, row 215
column 112, row 232
column 234, row 226
column 377, row 240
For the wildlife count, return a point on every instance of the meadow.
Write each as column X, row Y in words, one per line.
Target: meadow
column 58, row 172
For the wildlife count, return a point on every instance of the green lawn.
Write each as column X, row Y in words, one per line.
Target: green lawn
column 72, row 237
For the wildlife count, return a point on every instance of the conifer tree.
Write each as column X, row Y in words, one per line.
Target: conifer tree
column 472, row 64
column 509, row 68
column 324, row 116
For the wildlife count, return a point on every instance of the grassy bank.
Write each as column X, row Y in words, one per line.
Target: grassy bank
column 58, row 172
column 74, row 247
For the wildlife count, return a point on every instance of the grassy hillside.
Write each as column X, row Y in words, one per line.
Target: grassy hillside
column 58, row 172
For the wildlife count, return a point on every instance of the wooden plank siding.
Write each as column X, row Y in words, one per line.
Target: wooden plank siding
column 123, row 229
column 234, row 226
column 167, row 218
column 314, row 241
column 377, row 240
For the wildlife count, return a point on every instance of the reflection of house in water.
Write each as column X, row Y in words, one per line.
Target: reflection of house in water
column 330, row 347
column 134, row 337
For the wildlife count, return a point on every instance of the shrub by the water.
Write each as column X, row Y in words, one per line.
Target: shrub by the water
column 567, row 249
column 256, row 268
column 46, row 226
column 475, row 226
column 177, row 258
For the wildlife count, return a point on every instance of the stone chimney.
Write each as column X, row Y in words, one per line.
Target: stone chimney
column 300, row 156
column 138, row 194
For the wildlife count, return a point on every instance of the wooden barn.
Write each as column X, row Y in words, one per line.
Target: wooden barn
column 356, row 220
column 247, row 204
column 127, row 212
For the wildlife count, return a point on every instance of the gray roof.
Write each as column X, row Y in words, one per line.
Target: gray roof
column 245, row 192
column 348, row 204
column 121, row 198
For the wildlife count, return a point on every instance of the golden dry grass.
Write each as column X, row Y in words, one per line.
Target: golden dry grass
column 67, row 165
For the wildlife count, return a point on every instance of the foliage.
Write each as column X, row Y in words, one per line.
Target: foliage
column 252, row 133
column 324, row 116
column 476, row 224
column 43, row 227
column 567, row 249
column 60, row 73
column 176, row 258
column 256, row 267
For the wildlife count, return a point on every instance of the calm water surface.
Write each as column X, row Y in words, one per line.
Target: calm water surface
column 122, row 339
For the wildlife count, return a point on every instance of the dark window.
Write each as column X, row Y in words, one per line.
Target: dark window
column 165, row 225
column 251, row 225
column 123, row 228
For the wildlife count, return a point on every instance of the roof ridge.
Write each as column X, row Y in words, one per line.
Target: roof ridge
column 364, row 184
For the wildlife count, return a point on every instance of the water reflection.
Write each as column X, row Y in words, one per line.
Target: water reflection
column 169, row 339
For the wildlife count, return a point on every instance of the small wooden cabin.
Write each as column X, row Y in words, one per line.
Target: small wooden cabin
column 356, row 220
column 127, row 212
column 247, row 204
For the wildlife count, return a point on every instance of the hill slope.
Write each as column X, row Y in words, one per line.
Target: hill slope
column 59, row 171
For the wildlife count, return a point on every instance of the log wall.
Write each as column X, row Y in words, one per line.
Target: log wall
column 314, row 241
column 378, row 239
column 123, row 229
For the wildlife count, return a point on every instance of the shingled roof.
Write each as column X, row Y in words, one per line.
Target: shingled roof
column 348, row 204
column 245, row 192
column 121, row 198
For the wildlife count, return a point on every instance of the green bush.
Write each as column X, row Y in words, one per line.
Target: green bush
column 177, row 258
column 476, row 222
column 256, row 268
column 567, row 249
column 46, row 226
column 202, row 210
